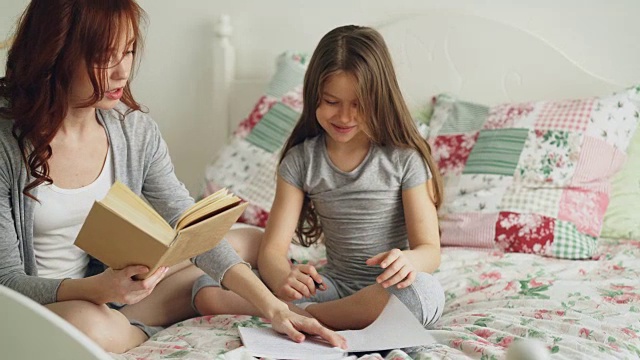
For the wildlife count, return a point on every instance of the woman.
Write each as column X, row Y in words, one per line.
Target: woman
column 70, row 127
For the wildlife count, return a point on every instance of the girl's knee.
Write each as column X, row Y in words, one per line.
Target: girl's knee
column 425, row 298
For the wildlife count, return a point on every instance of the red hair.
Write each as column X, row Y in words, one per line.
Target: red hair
column 53, row 39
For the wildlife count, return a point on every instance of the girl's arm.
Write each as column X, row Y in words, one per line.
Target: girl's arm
column 273, row 264
column 421, row 218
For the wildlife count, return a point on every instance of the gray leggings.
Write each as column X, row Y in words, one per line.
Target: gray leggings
column 148, row 330
column 425, row 297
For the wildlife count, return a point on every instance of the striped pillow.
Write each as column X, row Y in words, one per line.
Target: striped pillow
column 247, row 165
column 530, row 177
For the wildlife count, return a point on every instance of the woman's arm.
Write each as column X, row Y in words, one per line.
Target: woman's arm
column 12, row 262
column 111, row 286
column 16, row 259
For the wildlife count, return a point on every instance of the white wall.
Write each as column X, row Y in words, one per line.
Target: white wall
column 174, row 80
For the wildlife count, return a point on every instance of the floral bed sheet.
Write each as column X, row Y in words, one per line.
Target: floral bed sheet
column 577, row 309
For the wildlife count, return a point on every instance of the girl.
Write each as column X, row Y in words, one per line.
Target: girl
column 70, row 127
column 355, row 170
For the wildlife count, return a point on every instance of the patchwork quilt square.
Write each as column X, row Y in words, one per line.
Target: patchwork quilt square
column 496, row 152
column 480, row 193
column 549, row 158
column 570, row 115
column 274, row 128
column 453, row 152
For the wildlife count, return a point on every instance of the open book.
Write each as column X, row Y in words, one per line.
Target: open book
column 395, row 327
column 122, row 229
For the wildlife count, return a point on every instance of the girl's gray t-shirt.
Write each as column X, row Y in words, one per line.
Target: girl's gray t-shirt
column 360, row 211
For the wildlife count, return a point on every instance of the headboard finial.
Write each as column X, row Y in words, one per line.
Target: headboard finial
column 223, row 26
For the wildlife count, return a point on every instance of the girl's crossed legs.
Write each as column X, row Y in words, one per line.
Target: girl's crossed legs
column 425, row 297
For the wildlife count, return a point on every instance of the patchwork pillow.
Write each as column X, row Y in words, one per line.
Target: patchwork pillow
column 530, row 177
column 247, row 165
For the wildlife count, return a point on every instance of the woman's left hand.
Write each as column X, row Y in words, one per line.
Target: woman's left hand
column 398, row 269
column 294, row 325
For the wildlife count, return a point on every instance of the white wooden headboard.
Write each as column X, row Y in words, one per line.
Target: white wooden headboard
column 472, row 57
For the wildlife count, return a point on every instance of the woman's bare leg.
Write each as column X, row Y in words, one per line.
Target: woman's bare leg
column 246, row 242
column 216, row 301
column 170, row 301
column 109, row 328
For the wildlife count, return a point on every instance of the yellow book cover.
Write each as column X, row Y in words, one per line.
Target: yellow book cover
column 122, row 229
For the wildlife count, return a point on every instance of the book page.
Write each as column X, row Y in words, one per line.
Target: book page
column 201, row 237
column 204, row 202
column 395, row 327
column 212, row 208
column 130, row 206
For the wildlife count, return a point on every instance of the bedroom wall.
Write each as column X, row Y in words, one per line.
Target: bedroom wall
column 175, row 78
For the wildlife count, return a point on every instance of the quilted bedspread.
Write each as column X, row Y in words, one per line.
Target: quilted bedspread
column 578, row 309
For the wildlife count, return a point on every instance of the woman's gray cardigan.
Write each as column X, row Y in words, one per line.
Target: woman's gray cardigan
column 141, row 161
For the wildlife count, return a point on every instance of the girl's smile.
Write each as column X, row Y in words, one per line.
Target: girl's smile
column 343, row 129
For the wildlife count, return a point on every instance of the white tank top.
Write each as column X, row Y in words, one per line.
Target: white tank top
column 58, row 218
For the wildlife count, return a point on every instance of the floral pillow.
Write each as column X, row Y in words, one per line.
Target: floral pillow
column 530, row 177
column 247, row 165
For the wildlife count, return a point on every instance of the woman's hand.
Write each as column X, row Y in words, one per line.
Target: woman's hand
column 398, row 269
column 120, row 286
column 294, row 325
column 303, row 280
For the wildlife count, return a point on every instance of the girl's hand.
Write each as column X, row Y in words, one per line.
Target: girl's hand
column 119, row 285
column 398, row 269
column 300, row 283
column 293, row 325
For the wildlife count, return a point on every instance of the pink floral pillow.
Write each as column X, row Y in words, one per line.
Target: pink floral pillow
column 531, row 177
column 247, row 165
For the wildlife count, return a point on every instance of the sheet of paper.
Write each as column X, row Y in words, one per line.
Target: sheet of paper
column 396, row 327
column 266, row 342
column 239, row 353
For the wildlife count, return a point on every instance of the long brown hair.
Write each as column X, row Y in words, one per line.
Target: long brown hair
column 53, row 39
column 361, row 52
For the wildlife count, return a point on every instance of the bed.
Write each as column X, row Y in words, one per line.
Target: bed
column 578, row 309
